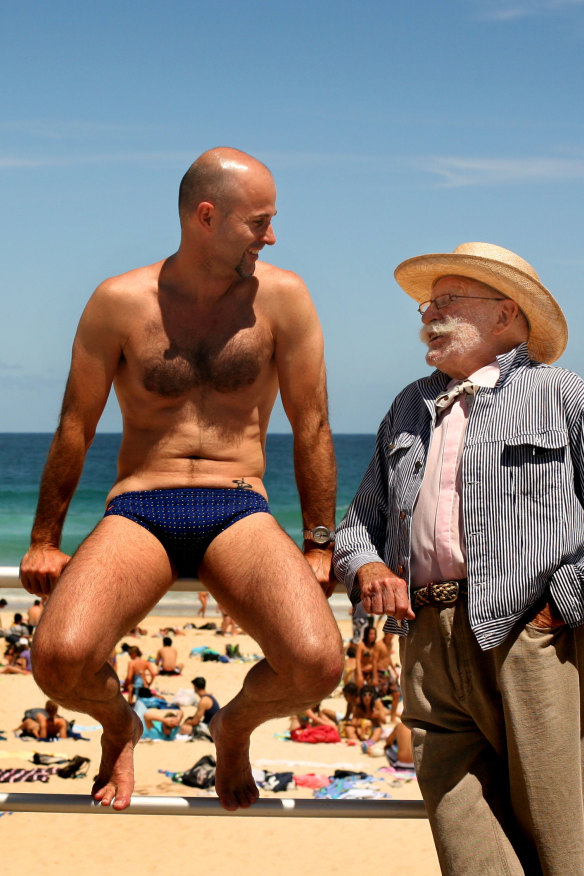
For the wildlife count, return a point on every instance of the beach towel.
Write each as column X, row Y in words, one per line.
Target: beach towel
column 350, row 789
column 311, row 780
column 316, row 734
column 48, row 759
column 38, row 774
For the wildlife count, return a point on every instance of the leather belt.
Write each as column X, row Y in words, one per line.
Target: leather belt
column 439, row 593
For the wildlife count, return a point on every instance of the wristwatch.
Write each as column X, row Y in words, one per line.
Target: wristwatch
column 320, row 535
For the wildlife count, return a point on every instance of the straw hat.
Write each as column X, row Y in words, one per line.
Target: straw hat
column 503, row 270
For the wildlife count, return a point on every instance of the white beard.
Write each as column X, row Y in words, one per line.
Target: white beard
column 465, row 336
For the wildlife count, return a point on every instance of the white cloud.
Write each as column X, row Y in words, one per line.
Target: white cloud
column 510, row 10
column 53, row 129
column 283, row 159
column 452, row 171
column 455, row 171
column 14, row 161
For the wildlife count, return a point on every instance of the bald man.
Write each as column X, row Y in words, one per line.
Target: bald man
column 197, row 347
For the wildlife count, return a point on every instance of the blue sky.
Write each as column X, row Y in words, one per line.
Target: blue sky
column 392, row 129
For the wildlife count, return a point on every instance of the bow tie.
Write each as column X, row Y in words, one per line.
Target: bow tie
column 445, row 399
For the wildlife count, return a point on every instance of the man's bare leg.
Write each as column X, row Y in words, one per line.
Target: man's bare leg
column 262, row 580
column 115, row 578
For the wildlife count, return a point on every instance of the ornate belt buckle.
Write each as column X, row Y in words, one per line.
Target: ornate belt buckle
column 450, row 600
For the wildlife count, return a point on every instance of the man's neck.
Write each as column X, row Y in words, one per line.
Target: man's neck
column 465, row 366
column 192, row 277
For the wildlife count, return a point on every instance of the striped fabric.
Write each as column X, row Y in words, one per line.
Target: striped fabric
column 523, row 494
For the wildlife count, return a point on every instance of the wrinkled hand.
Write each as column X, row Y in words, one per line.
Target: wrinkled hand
column 41, row 568
column 382, row 592
column 321, row 563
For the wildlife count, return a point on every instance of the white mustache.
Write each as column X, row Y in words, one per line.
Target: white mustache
column 444, row 326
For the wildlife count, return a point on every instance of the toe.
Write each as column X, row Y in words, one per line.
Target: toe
column 122, row 801
column 106, row 795
column 228, row 802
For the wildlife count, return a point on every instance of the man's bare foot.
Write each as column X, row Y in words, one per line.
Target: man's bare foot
column 234, row 782
column 115, row 780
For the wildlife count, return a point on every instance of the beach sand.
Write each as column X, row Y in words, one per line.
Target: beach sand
column 136, row 844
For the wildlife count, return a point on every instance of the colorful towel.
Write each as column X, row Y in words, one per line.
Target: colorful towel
column 311, row 780
column 38, row 774
column 316, row 734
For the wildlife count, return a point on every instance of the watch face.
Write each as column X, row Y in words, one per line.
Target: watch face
column 321, row 534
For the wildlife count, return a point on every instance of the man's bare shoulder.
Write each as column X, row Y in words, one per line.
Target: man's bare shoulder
column 284, row 296
column 271, row 277
column 130, row 283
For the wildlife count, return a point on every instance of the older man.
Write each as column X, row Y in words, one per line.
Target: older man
column 468, row 530
column 197, row 347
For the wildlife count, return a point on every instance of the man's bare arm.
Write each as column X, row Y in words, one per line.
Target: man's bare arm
column 96, row 354
column 202, row 707
column 302, row 378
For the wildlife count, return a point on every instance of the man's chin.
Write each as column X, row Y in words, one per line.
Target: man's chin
column 436, row 353
column 433, row 357
column 244, row 274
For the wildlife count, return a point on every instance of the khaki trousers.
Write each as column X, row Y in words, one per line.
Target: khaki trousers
column 497, row 739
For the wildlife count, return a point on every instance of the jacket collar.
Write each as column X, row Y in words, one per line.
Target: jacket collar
column 509, row 363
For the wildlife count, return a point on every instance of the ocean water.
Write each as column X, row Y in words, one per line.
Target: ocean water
column 22, row 457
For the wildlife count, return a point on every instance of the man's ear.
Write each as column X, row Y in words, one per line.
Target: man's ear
column 507, row 315
column 206, row 214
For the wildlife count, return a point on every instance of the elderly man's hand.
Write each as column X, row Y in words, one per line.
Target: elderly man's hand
column 382, row 592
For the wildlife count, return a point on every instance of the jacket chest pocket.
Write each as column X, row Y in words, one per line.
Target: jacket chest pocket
column 535, row 463
column 404, row 460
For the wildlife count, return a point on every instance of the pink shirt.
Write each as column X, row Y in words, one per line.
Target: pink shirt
column 438, row 547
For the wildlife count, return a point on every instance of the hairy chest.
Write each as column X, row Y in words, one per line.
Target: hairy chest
column 225, row 358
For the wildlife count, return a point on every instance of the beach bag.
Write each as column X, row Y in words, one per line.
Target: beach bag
column 74, row 768
column 202, row 774
column 184, row 697
column 279, row 782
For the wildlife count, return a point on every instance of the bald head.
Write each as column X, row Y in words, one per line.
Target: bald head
column 217, row 177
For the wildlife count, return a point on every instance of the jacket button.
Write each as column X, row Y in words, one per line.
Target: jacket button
column 400, row 570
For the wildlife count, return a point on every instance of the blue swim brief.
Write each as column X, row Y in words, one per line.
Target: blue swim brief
column 186, row 520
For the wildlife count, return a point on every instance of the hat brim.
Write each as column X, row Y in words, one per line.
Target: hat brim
column 548, row 330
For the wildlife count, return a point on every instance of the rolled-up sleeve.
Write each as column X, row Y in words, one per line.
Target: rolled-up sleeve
column 360, row 537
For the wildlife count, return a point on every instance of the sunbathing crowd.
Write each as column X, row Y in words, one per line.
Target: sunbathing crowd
column 18, row 637
column 369, row 685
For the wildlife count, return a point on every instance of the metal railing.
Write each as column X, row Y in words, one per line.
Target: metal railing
column 287, row 807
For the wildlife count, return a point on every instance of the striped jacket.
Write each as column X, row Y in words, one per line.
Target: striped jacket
column 522, row 500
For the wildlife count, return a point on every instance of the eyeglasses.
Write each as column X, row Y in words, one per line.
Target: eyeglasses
column 445, row 300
